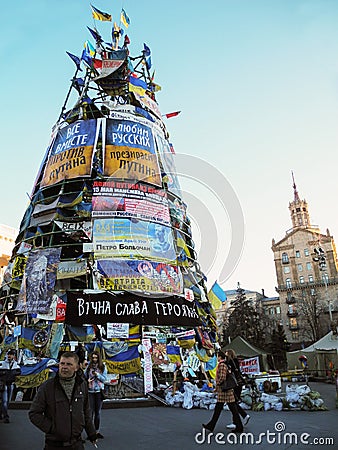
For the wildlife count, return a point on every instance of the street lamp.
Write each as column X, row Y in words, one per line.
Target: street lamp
column 320, row 258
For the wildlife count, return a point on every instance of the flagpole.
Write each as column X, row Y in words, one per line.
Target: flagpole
column 68, row 95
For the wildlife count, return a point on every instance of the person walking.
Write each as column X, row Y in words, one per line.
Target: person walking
column 10, row 369
column 224, row 397
column 61, row 409
column 233, row 364
column 96, row 374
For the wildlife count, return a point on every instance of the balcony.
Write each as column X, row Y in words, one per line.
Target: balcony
column 292, row 313
column 333, row 281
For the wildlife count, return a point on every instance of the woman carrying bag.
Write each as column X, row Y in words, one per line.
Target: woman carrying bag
column 233, row 364
column 96, row 374
column 227, row 396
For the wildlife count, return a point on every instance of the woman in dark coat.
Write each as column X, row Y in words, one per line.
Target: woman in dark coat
column 233, row 364
column 227, row 397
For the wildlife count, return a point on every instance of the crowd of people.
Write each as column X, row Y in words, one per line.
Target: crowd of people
column 65, row 405
column 70, row 401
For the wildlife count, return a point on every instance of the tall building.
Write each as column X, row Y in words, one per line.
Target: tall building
column 7, row 240
column 306, row 270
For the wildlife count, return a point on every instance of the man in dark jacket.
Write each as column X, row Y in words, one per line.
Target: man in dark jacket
column 61, row 407
column 9, row 370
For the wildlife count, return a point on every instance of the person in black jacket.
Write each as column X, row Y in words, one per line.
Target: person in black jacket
column 233, row 364
column 9, row 370
column 61, row 407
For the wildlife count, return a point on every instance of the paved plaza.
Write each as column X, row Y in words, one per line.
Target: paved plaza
column 165, row 428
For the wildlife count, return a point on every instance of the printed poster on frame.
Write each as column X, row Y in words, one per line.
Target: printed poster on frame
column 71, row 152
column 133, row 239
column 130, row 152
column 136, row 200
column 152, row 277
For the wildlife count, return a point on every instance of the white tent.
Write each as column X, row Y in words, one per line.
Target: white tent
column 320, row 355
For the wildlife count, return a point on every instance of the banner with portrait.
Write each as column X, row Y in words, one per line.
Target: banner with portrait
column 125, row 238
column 152, row 277
column 37, row 289
column 136, row 200
column 130, row 152
column 71, row 153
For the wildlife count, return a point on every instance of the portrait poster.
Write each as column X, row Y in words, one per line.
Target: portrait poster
column 40, row 276
column 71, row 153
column 124, row 238
column 148, row 276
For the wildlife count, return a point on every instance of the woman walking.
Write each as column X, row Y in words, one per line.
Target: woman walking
column 96, row 374
column 233, row 365
column 224, row 397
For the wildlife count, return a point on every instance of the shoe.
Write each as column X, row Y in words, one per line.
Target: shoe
column 6, row 420
column 206, row 426
column 99, row 436
column 231, row 426
column 246, row 419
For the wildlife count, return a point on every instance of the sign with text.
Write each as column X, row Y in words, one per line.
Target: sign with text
column 71, row 153
column 250, row 365
column 127, row 308
column 130, row 152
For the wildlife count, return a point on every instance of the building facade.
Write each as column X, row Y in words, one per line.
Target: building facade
column 7, row 240
column 307, row 281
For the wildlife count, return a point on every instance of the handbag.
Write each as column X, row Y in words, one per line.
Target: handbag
column 103, row 395
column 229, row 383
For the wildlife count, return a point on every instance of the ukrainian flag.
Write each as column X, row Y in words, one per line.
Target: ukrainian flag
column 124, row 18
column 99, row 15
column 216, row 296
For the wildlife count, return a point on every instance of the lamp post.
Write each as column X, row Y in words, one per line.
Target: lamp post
column 320, row 258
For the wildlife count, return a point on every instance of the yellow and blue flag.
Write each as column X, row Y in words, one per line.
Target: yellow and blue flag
column 99, row 15
column 124, row 18
column 216, row 296
column 89, row 48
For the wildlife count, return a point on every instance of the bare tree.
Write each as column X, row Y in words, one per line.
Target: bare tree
column 311, row 308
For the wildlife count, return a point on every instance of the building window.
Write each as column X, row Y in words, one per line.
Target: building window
column 293, row 322
column 297, row 254
column 271, row 311
column 308, row 266
column 301, row 279
column 288, row 283
column 306, row 252
column 300, row 267
column 325, row 277
column 313, row 292
column 277, row 309
column 310, row 278
column 294, row 335
column 285, row 258
column 286, row 269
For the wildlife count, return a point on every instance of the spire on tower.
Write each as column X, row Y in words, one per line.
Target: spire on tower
column 295, row 192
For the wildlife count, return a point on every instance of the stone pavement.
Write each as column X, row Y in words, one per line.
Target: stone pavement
column 168, row 428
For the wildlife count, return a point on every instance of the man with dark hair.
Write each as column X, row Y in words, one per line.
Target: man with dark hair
column 61, row 407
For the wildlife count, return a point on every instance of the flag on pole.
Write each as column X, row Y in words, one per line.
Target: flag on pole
column 173, row 114
column 99, row 15
column 76, row 60
column 216, row 296
column 96, row 35
column 89, row 48
column 124, row 18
